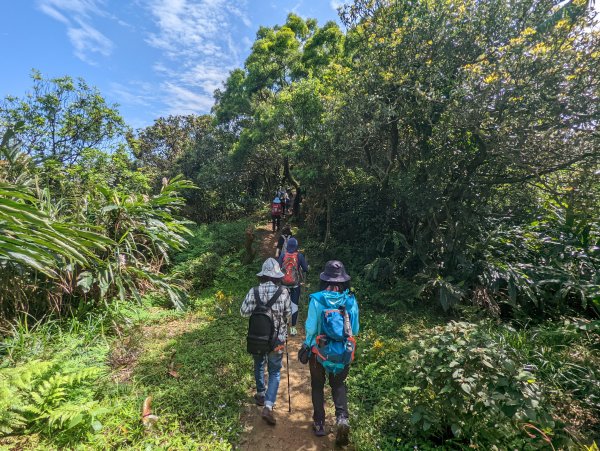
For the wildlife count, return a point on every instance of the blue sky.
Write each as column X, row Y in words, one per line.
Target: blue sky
column 152, row 57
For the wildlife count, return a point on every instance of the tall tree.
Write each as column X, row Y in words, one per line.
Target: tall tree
column 62, row 118
column 269, row 102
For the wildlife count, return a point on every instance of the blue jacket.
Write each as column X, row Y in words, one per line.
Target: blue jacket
column 328, row 299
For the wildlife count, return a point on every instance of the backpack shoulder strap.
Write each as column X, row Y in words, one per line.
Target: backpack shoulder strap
column 257, row 296
column 275, row 297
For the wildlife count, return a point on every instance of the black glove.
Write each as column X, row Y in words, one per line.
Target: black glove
column 304, row 354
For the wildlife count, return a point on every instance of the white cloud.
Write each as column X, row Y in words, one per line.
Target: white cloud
column 82, row 8
column 198, row 47
column 185, row 101
column 239, row 14
column 77, row 15
column 137, row 93
column 86, row 40
column 186, row 27
column 208, row 78
column 52, row 12
column 295, row 8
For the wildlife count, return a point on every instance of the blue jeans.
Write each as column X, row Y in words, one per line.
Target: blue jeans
column 273, row 360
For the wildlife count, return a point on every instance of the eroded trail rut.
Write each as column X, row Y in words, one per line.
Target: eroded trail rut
column 293, row 430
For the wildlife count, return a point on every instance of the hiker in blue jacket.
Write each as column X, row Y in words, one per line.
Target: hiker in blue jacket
column 329, row 355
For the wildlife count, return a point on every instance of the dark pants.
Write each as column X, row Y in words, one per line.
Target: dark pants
column 276, row 222
column 338, row 390
column 295, row 298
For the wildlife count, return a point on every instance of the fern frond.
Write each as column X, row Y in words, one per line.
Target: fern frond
column 71, row 414
column 38, row 396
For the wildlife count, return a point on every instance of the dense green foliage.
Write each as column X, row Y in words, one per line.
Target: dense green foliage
column 89, row 395
column 62, row 119
column 440, row 136
column 476, row 384
column 77, row 234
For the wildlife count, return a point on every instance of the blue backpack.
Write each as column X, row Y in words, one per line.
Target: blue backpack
column 335, row 348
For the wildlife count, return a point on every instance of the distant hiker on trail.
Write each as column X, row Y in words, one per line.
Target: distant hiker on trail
column 276, row 211
column 280, row 192
column 288, row 201
column 329, row 346
column 286, row 234
column 268, row 307
column 285, row 200
column 293, row 264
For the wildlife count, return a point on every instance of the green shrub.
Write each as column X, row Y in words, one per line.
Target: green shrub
column 465, row 385
column 199, row 272
column 219, row 238
column 480, row 385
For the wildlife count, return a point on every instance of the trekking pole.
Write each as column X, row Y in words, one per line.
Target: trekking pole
column 287, row 364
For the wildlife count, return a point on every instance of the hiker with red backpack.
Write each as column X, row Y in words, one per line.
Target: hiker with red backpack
column 329, row 346
column 268, row 306
column 293, row 265
column 276, row 212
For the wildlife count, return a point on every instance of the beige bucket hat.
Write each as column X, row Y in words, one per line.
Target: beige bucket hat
column 270, row 268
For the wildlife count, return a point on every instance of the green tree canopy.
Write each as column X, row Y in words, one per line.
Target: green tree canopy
column 62, row 118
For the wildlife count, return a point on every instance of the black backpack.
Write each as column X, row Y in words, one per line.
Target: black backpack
column 261, row 327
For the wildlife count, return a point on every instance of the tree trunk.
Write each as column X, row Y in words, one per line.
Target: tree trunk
column 287, row 175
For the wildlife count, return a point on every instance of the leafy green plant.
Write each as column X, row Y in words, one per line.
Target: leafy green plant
column 444, row 290
column 109, row 243
column 145, row 231
column 41, row 397
column 416, row 382
column 546, row 265
column 465, row 385
column 380, row 270
column 200, row 272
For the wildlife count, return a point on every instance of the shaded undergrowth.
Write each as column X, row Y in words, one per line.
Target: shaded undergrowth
column 193, row 364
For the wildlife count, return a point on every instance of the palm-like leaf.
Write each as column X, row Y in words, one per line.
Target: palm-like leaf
column 117, row 245
column 30, row 238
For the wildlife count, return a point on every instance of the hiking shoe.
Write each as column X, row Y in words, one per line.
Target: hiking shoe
column 260, row 399
column 343, row 430
column 267, row 415
column 293, row 331
column 319, row 429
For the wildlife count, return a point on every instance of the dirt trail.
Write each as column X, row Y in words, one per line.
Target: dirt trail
column 293, row 430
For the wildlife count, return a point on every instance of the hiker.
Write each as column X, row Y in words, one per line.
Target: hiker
column 285, row 202
column 288, row 201
column 286, row 234
column 293, row 265
column 268, row 307
column 329, row 346
column 276, row 210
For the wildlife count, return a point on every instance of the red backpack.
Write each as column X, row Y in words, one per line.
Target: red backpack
column 291, row 276
column 276, row 209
